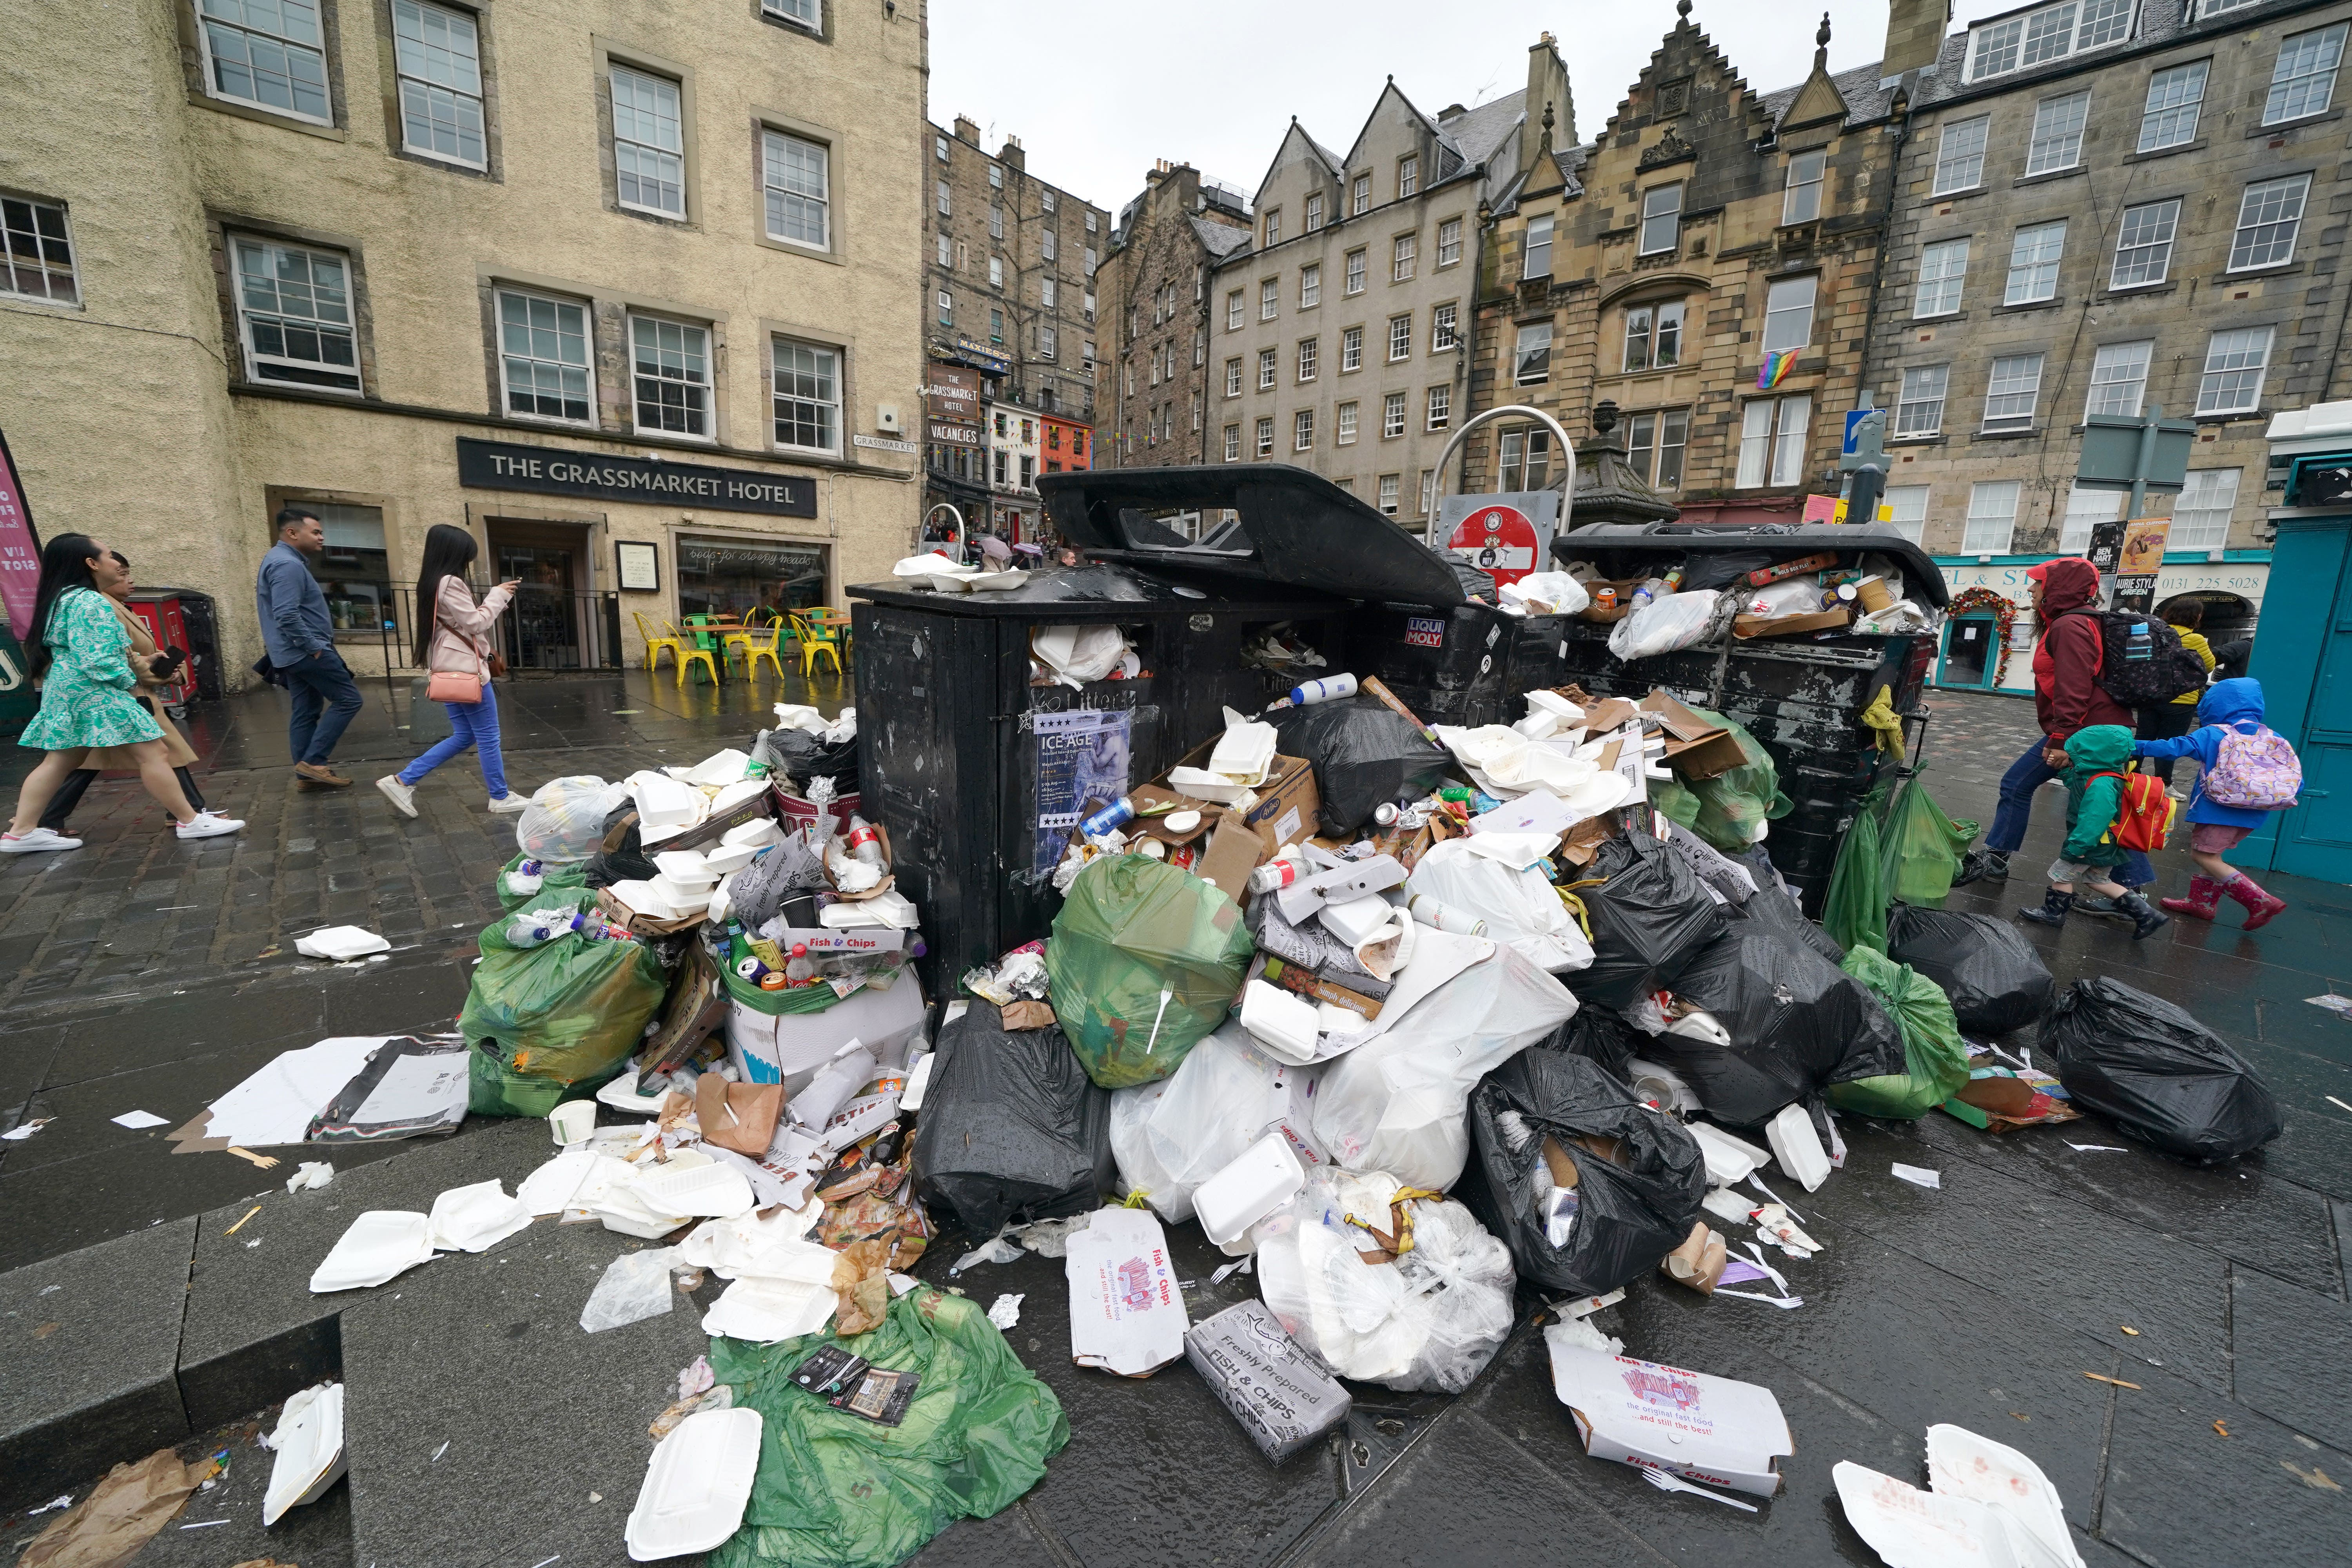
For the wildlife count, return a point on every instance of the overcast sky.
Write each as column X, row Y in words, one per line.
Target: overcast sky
column 1098, row 91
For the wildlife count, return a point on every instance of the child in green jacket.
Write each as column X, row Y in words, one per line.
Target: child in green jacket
column 2090, row 848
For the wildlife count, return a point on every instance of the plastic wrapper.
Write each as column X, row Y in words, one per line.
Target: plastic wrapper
column 564, row 1016
column 1145, row 959
column 1649, row 912
column 758, row 891
column 1664, row 624
column 1796, row 1023
column 837, row 1490
column 1396, row 1102
column 1011, row 1129
column 1363, row 754
column 1170, row 1136
column 565, row 819
column 1518, row 904
column 1993, row 977
column 2157, row 1073
column 1922, row 848
column 1935, row 1062
column 634, row 1286
column 558, row 877
column 1637, row 1177
column 1432, row 1317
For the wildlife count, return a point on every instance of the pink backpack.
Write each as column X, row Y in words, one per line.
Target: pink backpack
column 2255, row 772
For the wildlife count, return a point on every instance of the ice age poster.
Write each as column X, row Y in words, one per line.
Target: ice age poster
column 1081, row 756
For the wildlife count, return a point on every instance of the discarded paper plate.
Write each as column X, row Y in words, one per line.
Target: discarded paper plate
column 380, row 1245
column 340, row 943
column 475, row 1218
column 698, row 1484
column 1962, row 1464
column 1912, row 1529
column 1797, row 1147
column 1260, row 1180
column 573, row 1120
column 767, row 1312
column 309, row 1445
column 707, row 1192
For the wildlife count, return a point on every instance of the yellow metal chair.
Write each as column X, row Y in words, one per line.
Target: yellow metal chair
column 656, row 641
column 689, row 654
column 758, row 645
column 815, row 639
column 744, row 639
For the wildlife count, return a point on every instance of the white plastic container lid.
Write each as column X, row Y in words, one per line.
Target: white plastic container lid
column 1288, row 1026
column 708, row 1191
column 380, row 1245
column 1259, row 1180
column 684, row 866
column 698, row 1484
column 475, row 1218
column 309, row 1445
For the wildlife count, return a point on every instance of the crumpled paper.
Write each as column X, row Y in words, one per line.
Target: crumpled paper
column 120, row 1515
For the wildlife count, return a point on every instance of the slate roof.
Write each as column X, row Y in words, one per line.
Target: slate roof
column 1219, row 239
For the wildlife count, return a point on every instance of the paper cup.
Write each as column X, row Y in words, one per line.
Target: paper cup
column 573, row 1120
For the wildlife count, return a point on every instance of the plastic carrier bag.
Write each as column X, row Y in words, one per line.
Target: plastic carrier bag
column 1993, row 977
column 1428, row 1318
column 1922, row 848
column 837, row 1490
column 556, row 878
column 1518, row 904
column 1664, row 624
column 1011, row 1128
column 1735, row 806
column 1170, row 1136
column 1635, row 1178
column 560, row 1018
column 1363, row 753
column 1796, row 1023
column 565, row 819
column 1935, row 1063
column 1649, row 913
column 2157, row 1073
column 1395, row 1103
column 1145, row 959
column 1854, row 909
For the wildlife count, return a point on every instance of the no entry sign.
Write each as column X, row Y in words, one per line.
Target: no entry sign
column 1501, row 542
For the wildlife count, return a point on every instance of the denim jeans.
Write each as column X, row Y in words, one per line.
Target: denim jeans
column 474, row 724
column 2025, row 775
column 325, row 698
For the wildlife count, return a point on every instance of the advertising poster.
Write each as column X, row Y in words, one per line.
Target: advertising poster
column 1081, row 755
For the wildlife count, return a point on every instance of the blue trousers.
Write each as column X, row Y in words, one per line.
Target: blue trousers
column 325, row 698
column 2025, row 775
column 474, row 724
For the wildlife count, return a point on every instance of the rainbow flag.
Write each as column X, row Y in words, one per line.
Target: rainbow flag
column 1775, row 368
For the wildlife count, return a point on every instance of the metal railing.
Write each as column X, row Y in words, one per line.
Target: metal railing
column 545, row 628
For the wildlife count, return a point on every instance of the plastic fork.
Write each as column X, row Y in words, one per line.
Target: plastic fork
column 1666, row 1483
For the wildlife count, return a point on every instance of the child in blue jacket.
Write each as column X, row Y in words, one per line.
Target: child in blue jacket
column 2212, row 827
column 2098, row 754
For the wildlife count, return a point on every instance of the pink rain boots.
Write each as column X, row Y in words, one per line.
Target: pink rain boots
column 2204, row 893
column 2260, row 906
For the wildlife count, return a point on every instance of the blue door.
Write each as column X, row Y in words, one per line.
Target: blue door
column 2303, row 656
column 1970, row 653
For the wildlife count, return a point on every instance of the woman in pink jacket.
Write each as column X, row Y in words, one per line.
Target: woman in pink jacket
column 453, row 643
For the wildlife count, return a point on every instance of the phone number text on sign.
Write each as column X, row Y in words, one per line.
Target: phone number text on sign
column 1425, row 631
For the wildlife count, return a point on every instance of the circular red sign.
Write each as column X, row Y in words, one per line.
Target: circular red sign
column 1500, row 539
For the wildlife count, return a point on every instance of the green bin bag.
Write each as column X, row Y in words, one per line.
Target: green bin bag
column 1854, row 909
column 1130, row 929
column 545, row 1021
column 559, row 880
column 1935, row 1062
column 1922, row 848
column 1735, row 804
column 837, row 1490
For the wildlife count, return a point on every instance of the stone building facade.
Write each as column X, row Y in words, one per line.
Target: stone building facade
column 1338, row 339
column 1009, row 264
column 1707, row 264
column 1153, row 381
column 2106, row 210
column 582, row 276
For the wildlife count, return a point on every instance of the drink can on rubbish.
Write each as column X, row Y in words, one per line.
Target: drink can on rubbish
column 1331, row 688
column 1386, row 813
column 1118, row 814
column 1604, row 598
column 1439, row 916
column 1274, row 874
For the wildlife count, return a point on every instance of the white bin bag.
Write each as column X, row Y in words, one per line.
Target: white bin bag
column 1399, row 1102
column 1169, row 1137
column 1520, row 908
column 1431, row 1319
column 1663, row 624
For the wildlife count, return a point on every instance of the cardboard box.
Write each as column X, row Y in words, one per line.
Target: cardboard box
column 1127, row 1314
column 695, row 1009
column 1281, row 1397
column 1794, row 626
column 1707, row 1429
column 1235, row 850
column 639, row 925
column 1695, row 748
column 1287, row 810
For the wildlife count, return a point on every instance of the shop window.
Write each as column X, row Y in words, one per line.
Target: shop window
column 728, row 577
column 354, row 571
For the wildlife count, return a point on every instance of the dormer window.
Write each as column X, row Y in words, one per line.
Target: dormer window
column 2052, row 33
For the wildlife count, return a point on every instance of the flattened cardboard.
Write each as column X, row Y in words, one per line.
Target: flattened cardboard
column 1623, row 607
column 695, row 1010
column 1793, row 626
column 1235, row 851
column 1704, row 1428
column 635, row 924
column 1695, row 748
column 1283, row 1400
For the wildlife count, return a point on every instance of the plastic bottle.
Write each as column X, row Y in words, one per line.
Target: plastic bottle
column 1643, row 595
column 1331, row 688
column 798, row 970
column 764, row 759
column 1674, row 579
column 1118, row 814
column 532, row 927
column 863, row 842
column 526, row 878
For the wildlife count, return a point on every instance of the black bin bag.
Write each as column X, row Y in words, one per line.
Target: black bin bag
column 1363, row 754
column 1772, row 908
column 1012, row 1128
column 1995, row 979
column 807, row 755
column 1798, row 1023
column 1649, row 914
column 1598, row 1035
column 2157, row 1073
column 1639, row 1175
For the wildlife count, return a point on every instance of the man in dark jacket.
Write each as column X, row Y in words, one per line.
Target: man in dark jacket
column 2067, row 696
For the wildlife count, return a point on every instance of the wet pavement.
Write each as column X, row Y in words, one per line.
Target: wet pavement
column 2168, row 1343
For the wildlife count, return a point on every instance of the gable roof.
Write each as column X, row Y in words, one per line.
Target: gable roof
column 1480, row 133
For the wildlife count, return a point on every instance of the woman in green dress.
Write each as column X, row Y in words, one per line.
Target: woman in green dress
column 78, row 654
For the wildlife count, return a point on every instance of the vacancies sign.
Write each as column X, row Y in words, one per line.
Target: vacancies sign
column 549, row 470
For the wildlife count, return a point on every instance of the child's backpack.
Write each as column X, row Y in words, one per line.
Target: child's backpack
column 2143, row 812
column 2255, row 772
column 2142, row 662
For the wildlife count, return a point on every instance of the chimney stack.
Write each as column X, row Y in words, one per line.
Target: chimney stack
column 1914, row 35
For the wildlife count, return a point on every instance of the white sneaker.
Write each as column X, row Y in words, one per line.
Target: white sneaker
column 511, row 806
column 208, row 824
column 402, row 797
column 35, row 842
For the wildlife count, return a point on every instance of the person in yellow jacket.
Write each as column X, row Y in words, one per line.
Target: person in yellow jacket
column 2168, row 719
